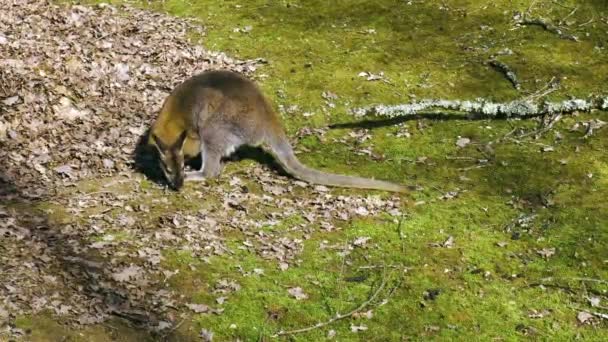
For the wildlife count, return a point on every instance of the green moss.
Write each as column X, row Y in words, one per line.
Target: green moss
column 487, row 290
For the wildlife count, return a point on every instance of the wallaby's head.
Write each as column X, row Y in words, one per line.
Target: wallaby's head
column 171, row 158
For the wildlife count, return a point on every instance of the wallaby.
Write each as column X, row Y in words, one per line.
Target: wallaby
column 214, row 113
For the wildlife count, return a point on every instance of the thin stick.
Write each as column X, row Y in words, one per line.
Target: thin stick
column 97, row 193
column 340, row 276
column 550, row 87
column 401, row 235
column 529, row 10
column 544, row 129
column 461, row 158
column 472, row 167
column 569, row 15
column 337, row 317
column 601, row 281
column 561, row 5
column 587, row 22
column 369, row 267
column 174, row 328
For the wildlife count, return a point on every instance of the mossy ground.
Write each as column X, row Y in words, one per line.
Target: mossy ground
column 427, row 49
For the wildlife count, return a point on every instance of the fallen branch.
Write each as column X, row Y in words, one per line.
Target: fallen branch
column 506, row 71
column 338, row 316
column 548, row 27
column 517, row 108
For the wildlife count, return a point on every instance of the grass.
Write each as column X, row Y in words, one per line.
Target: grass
column 427, row 49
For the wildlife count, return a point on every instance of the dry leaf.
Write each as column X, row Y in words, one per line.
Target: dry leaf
column 361, row 241
column 546, row 252
column 297, row 293
column 198, row 308
column 357, row 328
column 127, row 273
column 584, row 317
column 462, row 142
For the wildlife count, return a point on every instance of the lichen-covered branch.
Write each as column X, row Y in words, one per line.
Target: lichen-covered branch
column 518, row 108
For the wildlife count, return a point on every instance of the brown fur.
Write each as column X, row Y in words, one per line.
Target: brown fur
column 224, row 110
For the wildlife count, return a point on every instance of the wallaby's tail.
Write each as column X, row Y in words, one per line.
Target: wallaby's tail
column 283, row 151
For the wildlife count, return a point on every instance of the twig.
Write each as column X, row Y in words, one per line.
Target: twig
column 550, row 87
column 109, row 326
column 341, row 275
column 460, row 158
column 508, row 134
column 506, row 71
column 97, row 193
column 472, row 167
column 369, row 267
column 545, row 127
column 529, row 10
column 175, row 327
column 569, row 289
column 600, row 281
column 528, row 142
column 587, row 22
column 552, row 121
column 337, row 317
column 401, row 235
column 557, row 286
column 560, row 4
column 568, row 16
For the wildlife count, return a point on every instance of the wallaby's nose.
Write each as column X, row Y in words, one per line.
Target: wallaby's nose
column 177, row 184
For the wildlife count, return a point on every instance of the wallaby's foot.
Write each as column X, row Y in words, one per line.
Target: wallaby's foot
column 196, row 176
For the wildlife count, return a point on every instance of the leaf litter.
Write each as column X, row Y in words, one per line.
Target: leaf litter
column 79, row 85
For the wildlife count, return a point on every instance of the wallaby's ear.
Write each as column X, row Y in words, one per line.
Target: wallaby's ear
column 159, row 144
column 179, row 144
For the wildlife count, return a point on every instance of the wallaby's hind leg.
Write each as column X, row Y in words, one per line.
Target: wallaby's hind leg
column 211, row 168
column 198, row 174
column 218, row 141
column 213, row 164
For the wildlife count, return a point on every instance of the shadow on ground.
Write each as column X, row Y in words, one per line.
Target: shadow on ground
column 55, row 250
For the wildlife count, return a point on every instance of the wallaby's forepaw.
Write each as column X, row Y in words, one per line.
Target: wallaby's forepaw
column 194, row 176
